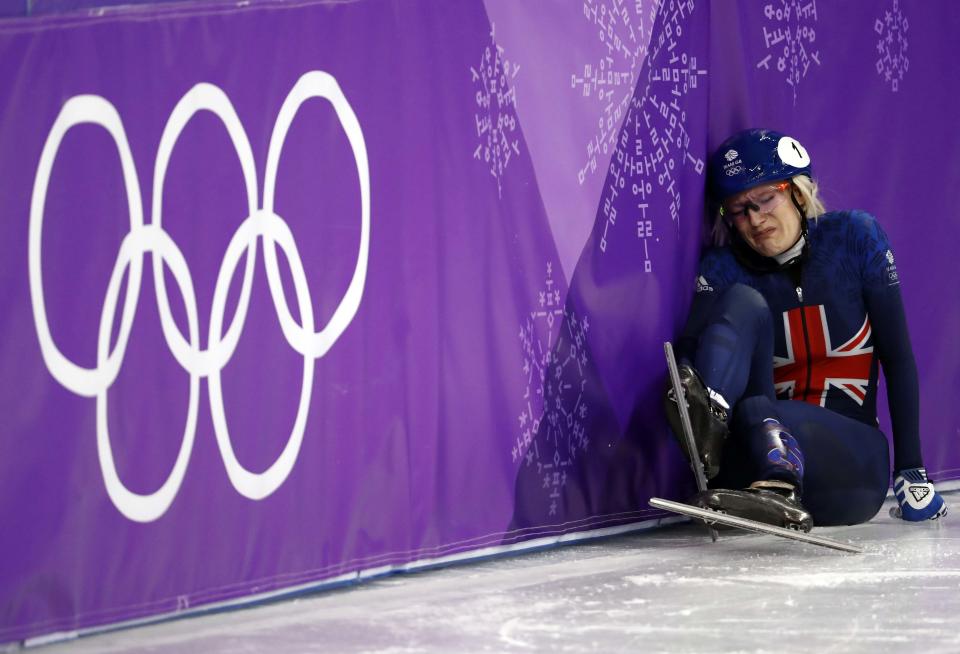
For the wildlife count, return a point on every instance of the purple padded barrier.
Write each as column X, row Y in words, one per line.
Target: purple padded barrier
column 13, row 7
column 41, row 7
column 427, row 318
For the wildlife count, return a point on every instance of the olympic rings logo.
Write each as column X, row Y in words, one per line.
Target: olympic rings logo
column 261, row 223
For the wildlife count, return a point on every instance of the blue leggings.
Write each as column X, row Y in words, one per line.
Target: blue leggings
column 846, row 462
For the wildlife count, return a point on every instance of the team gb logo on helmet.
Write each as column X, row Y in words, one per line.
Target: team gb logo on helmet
column 261, row 222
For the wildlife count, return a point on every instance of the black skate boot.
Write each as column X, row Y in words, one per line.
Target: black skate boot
column 772, row 502
column 708, row 418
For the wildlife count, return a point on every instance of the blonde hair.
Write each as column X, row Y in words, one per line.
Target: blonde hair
column 809, row 200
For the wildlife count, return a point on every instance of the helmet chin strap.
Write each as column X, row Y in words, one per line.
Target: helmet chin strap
column 798, row 250
column 800, row 211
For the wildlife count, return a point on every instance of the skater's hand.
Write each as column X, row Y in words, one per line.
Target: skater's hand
column 917, row 498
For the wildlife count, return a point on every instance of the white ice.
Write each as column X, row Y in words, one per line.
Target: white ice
column 664, row 590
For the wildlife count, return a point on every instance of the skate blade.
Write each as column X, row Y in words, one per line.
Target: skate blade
column 752, row 525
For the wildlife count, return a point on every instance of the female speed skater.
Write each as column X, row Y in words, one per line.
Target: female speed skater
column 794, row 310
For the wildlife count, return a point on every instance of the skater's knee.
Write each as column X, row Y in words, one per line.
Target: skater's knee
column 744, row 307
column 745, row 297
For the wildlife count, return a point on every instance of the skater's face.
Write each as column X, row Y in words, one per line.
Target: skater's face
column 764, row 218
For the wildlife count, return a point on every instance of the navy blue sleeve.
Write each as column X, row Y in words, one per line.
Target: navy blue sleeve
column 881, row 293
column 713, row 278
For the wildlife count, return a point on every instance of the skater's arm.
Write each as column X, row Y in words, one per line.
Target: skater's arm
column 892, row 341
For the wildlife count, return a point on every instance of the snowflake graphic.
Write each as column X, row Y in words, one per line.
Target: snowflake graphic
column 892, row 61
column 789, row 37
column 608, row 82
column 551, row 431
column 654, row 142
column 496, row 115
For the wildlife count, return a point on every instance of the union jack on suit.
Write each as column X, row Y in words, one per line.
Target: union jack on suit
column 812, row 365
column 836, row 318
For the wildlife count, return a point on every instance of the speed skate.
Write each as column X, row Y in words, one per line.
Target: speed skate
column 711, row 517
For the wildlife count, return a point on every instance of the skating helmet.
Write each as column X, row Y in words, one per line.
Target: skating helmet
column 752, row 157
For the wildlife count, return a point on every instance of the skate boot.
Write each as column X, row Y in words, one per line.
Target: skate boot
column 772, row 502
column 708, row 418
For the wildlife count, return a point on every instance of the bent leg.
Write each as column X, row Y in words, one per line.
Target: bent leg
column 761, row 447
column 734, row 356
column 735, row 348
column 847, row 464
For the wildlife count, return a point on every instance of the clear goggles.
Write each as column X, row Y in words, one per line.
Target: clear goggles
column 763, row 199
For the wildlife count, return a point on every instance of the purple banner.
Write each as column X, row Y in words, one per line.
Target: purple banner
column 300, row 291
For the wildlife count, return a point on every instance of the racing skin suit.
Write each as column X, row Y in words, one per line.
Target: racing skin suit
column 804, row 341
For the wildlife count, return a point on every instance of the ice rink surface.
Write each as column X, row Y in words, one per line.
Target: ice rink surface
column 662, row 590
